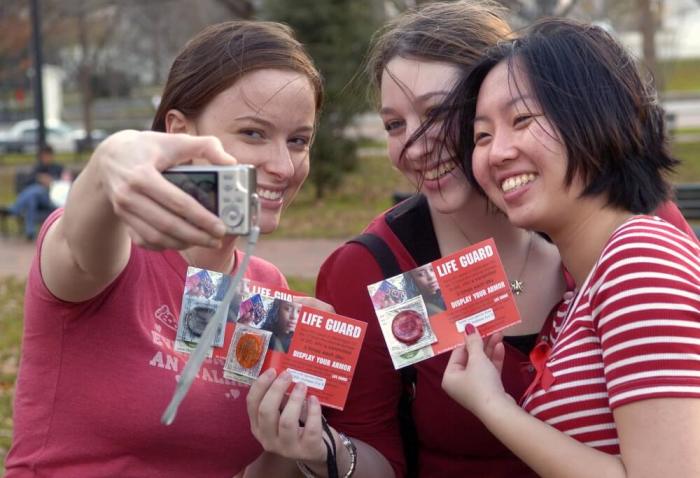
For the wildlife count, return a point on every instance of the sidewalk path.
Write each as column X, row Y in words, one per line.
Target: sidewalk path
column 294, row 257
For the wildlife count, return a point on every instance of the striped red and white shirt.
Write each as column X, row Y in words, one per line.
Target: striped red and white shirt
column 632, row 333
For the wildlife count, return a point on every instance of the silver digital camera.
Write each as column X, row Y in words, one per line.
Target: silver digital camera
column 227, row 191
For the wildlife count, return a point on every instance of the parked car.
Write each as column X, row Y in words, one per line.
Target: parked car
column 63, row 138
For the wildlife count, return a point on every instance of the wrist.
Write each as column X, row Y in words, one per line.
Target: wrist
column 495, row 408
column 345, row 459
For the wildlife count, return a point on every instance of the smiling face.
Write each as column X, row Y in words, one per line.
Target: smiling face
column 411, row 89
column 518, row 158
column 265, row 119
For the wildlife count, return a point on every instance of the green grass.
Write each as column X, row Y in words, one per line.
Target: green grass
column 11, row 306
column 16, row 159
column 687, row 131
column 681, row 75
column 689, row 170
column 300, row 284
column 363, row 194
column 345, row 212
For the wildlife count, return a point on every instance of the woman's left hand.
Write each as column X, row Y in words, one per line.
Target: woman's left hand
column 313, row 302
column 473, row 373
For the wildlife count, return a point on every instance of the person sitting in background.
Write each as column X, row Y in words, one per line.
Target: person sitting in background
column 34, row 197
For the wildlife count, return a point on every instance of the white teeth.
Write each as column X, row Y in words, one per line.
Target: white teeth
column 270, row 195
column 514, row 182
column 442, row 169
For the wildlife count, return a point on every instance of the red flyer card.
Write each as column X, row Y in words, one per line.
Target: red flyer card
column 423, row 312
column 265, row 328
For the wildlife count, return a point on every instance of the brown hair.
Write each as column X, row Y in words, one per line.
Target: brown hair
column 221, row 54
column 450, row 32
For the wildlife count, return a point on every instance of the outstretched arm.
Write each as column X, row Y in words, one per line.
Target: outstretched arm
column 121, row 197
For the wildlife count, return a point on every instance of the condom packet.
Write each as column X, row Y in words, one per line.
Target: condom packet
column 246, row 354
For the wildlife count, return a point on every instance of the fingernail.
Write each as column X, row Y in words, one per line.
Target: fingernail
column 313, row 400
column 469, row 329
column 286, row 375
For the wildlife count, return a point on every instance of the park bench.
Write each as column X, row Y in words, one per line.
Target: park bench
column 688, row 201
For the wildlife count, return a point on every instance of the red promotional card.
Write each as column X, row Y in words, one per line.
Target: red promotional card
column 265, row 328
column 423, row 312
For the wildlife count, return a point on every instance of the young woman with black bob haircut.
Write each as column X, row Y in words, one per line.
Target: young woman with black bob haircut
column 562, row 134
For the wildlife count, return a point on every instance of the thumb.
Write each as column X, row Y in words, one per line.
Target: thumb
column 313, row 302
column 473, row 343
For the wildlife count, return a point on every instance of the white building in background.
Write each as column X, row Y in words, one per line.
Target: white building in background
column 52, row 78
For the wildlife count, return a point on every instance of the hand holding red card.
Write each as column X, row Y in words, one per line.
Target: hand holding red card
column 423, row 312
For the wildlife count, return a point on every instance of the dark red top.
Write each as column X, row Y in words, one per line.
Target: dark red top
column 452, row 441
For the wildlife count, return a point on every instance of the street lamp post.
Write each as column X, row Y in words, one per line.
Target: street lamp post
column 37, row 83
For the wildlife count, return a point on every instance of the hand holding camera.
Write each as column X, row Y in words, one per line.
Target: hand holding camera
column 155, row 212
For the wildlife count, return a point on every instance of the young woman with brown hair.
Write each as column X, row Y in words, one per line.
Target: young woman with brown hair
column 98, row 365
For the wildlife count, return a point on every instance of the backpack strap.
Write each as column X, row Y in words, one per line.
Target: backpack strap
column 381, row 252
column 390, row 267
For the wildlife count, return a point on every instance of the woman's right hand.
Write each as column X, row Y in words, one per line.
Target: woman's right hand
column 276, row 424
column 156, row 213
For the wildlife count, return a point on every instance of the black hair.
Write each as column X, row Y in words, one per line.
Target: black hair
column 608, row 119
column 272, row 318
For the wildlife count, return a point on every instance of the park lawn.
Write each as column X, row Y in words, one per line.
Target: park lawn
column 363, row 194
column 11, row 306
column 689, row 169
column 681, row 75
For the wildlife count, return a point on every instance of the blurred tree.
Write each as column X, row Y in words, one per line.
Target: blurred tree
column 336, row 34
column 649, row 21
column 14, row 53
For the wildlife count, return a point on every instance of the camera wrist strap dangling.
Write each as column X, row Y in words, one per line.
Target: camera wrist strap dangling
column 191, row 369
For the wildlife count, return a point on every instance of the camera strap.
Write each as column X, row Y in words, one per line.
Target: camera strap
column 191, row 369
